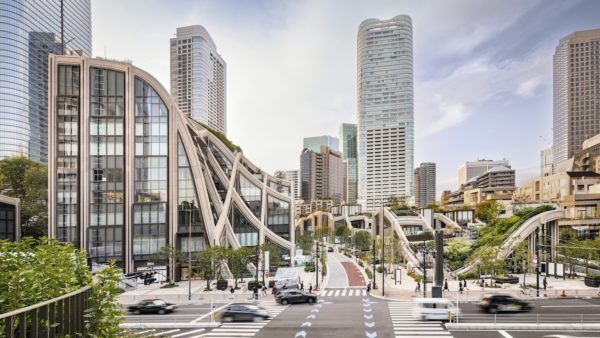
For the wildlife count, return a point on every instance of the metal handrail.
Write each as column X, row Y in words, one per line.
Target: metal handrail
column 45, row 303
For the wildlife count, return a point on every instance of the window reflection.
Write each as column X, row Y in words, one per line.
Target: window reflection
column 250, row 193
column 245, row 232
column 278, row 216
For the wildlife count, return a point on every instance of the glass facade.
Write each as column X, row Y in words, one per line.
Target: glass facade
column 30, row 31
column 348, row 148
column 188, row 206
column 151, row 174
column 67, row 154
column 245, row 232
column 278, row 216
column 8, row 222
column 106, row 165
column 250, row 193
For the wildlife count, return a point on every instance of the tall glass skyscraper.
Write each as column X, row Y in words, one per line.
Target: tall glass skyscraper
column 576, row 112
column 348, row 148
column 198, row 77
column 29, row 31
column 314, row 143
column 385, row 110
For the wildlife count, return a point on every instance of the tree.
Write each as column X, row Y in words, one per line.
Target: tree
column 362, row 240
column 40, row 269
column 488, row 210
column 304, row 241
column 456, row 252
column 274, row 256
column 209, row 263
column 27, row 180
column 522, row 259
column 342, row 231
column 489, row 260
column 169, row 256
column 238, row 261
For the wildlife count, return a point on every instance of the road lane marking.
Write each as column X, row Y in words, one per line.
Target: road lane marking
column 505, row 334
column 586, row 306
column 187, row 333
column 210, row 313
column 160, row 334
column 337, row 292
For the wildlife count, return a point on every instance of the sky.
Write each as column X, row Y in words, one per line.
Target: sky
column 482, row 70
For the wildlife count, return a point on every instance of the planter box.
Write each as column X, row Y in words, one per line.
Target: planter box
column 592, row 281
column 222, row 285
column 507, row 280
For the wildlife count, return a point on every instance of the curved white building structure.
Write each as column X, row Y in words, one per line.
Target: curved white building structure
column 130, row 173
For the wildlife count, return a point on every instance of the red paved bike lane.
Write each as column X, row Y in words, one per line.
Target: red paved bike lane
column 355, row 277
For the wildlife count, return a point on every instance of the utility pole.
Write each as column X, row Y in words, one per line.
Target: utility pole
column 189, row 247
column 424, row 270
column 317, row 265
column 382, row 254
column 537, row 265
column 374, row 270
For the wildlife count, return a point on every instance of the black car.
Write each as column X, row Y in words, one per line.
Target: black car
column 243, row 312
column 295, row 296
column 152, row 306
column 503, row 303
column 330, row 249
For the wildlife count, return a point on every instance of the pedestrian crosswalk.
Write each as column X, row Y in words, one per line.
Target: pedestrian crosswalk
column 246, row 329
column 173, row 333
column 343, row 292
column 406, row 325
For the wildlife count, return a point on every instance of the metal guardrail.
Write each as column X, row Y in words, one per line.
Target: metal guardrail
column 57, row 317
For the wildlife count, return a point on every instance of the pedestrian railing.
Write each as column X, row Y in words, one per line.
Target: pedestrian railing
column 57, row 317
column 529, row 318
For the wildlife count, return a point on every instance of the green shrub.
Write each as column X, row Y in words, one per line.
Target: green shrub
column 324, row 269
column 360, row 263
column 379, row 269
column 369, row 273
column 252, row 283
column 593, row 275
column 468, row 275
column 309, row 267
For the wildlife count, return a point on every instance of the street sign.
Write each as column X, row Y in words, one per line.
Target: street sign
column 266, row 262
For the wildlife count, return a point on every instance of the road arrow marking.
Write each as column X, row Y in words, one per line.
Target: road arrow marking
column 314, row 310
column 309, row 324
column 310, row 317
column 365, row 300
column 371, row 335
column 319, row 305
column 369, row 324
column 321, row 301
column 300, row 334
column 367, row 305
column 367, row 310
column 368, row 316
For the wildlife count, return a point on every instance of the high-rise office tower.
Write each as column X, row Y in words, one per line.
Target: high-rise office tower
column 322, row 175
column 348, row 148
column 470, row 170
column 314, row 143
column 425, row 184
column 198, row 77
column 293, row 176
column 576, row 92
column 29, row 32
column 385, row 110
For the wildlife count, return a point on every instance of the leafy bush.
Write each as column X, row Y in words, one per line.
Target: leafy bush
column 593, row 275
column 309, row 267
column 360, row 263
column 468, row 275
column 369, row 273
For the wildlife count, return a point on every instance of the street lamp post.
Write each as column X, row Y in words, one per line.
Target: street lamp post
column 382, row 254
column 537, row 264
column 317, row 263
column 189, row 247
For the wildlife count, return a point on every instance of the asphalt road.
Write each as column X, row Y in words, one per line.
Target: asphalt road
column 342, row 316
column 524, row 334
column 183, row 313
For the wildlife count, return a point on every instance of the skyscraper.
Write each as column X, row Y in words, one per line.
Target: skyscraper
column 385, row 110
column 198, row 77
column 314, row 143
column 348, row 148
column 576, row 110
column 29, row 32
column 322, row 175
column 425, row 184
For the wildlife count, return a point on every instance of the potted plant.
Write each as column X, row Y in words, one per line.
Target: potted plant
column 592, row 279
column 222, row 284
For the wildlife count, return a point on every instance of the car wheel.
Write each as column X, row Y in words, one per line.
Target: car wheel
column 310, row 300
column 284, row 302
column 161, row 312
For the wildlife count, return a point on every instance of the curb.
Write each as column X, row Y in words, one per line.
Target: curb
column 168, row 325
column 520, row 326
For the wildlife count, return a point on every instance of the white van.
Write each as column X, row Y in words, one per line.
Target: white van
column 435, row 308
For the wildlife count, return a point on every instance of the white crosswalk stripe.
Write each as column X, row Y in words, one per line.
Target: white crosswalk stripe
column 350, row 292
column 246, row 329
column 405, row 325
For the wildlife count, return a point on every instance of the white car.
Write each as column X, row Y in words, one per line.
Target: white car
column 435, row 309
